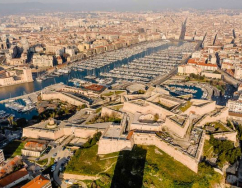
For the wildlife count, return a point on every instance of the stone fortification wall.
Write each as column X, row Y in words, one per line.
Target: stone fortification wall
column 62, row 97
column 79, row 132
column 201, row 110
column 42, row 134
column 178, row 130
column 109, row 111
column 112, row 145
column 148, row 108
column 232, row 136
column 176, row 153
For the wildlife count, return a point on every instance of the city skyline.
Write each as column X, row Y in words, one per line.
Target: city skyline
column 118, row 5
column 149, row 92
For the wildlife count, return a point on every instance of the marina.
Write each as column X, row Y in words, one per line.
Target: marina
column 137, row 64
column 85, row 74
column 179, row 90
column 151, row 66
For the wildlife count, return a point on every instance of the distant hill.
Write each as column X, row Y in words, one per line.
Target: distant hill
column 118, row 5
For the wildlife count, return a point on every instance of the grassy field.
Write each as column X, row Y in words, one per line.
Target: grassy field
column 13, row 148
column 142, row 167
column 86, row 162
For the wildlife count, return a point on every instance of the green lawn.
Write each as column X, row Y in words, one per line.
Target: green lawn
column 98, row 110
column 118, row 92
column 144, row 166
column 13, row 148
column 219, row 127
column 207, row 149
column 52, row 160
column 108, row 94
column 43, row 162
column 186, row 106
column 117, row 107
column 112, row 93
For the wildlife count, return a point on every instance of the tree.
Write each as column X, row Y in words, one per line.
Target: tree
column 22, row 122
column 92, row 141
column 156, row 117
column 225, row 150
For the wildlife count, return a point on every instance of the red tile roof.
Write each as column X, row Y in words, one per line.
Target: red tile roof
column 95, row 87
column 13, row 177
column 38, row 182
column 130, row 135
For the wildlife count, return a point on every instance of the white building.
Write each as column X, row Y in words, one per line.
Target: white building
column 238, row 72
column 43, row 60
column 235, row 105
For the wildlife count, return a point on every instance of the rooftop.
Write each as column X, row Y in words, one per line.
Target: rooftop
column 13, row 177
column 114, row 131
column 38, row 182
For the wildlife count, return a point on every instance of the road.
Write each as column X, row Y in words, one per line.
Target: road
column 56, row 173
column 229, row 78
column 57, row 149
column 183, row 30
column 62, row 156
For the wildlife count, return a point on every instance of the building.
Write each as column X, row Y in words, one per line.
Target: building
column 63, row 96
column 235, row 105
column 201, row 63
column 15, row 76
column 33, row 149
column 53, row 130
column 2, row 158
column 146, row 122
column 154, row 118
column 43, row 60
column 189, row 69
column 38, row 182
column 17, row 61
column 14, row 178
column 238, row 72
column 10, row 166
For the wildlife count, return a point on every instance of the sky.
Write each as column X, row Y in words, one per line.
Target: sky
column 130, row 5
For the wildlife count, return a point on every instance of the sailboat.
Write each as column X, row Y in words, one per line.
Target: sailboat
column 38, row 79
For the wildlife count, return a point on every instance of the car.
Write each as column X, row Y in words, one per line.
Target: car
column 69, row 182
column 63, row 148
column 61, row 169
column 47, row 149
column 52, row 168
column 54, row 155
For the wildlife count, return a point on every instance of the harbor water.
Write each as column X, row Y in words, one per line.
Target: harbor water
column 21, row 89
column 26, row 88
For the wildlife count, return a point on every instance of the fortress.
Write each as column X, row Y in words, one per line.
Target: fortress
column 155, row 119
